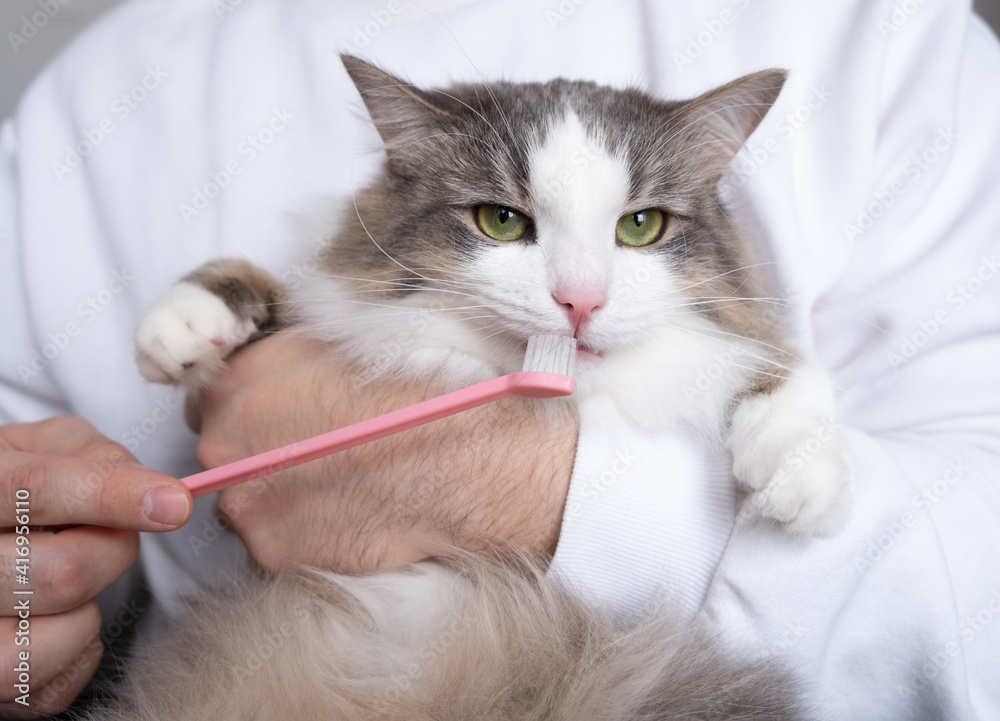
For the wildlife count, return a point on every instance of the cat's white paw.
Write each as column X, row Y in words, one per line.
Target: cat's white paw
column 185, row 337
column 800, row 480
column 787, row 450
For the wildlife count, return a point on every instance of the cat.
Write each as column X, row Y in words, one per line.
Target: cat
column 569, row 167
column 506, row 210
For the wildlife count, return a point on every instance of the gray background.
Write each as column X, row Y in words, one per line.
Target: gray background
column 16, row 70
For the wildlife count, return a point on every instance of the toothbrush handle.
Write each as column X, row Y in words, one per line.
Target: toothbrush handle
column 526, row 383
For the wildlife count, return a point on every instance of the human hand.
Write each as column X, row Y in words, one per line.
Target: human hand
column 82, row 500
column 494, row 474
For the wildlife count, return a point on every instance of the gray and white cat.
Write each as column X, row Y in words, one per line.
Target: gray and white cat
column 507, row 210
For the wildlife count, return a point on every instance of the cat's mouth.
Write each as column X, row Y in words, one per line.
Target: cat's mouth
column 586, row 352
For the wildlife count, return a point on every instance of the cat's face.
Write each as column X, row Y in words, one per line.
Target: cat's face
column 556, row 208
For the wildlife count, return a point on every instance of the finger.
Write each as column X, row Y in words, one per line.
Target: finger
column 63, row 654
column 65, row 435
column 64, row 569
column 52, row 490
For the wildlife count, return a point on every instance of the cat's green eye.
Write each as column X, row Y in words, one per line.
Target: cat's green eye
column 502, row 223
column 639, row 229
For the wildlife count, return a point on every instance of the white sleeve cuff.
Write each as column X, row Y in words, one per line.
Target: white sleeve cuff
column 647, row 518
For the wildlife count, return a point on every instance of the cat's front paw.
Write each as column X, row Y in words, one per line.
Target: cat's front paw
column 801, row 480
column 787, row 450
column 185, row 337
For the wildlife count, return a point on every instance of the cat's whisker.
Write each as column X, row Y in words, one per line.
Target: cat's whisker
column 712, row 308
column 758, row 371
column 499, row 137
column 334, row 276
column 483, row 80
column 723, row 212
column 376, row 291
column 498, row 332
column 420, row 270
column 450, row 281
column 740, row 351
column 470, row 108
column 397, row 285
column 379, row 317
column 704, row 311
column 401, row 309
column 731, row 300
column 382, row 250
column 694, row 122
column 685, row 248
column 450, row 135
column 757, row 341
column 765, row 359
column 751, row 267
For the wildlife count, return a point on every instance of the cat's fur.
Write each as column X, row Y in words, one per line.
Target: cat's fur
column 474, row 638
column 573, row 157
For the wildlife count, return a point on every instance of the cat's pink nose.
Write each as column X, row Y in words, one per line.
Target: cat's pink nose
column 580, row 304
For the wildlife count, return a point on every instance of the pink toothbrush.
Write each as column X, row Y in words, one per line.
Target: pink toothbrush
column 547, row 373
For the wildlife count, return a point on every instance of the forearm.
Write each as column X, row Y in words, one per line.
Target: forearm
column 497, row 474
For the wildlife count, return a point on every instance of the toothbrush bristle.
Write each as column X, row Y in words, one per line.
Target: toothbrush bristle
column 551, row 354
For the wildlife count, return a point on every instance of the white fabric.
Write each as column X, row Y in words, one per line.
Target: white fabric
column 899, row 616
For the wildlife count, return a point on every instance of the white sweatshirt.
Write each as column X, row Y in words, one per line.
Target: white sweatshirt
column 175, row 131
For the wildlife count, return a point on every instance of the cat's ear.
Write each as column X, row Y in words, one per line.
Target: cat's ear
column 719, row 122
column 404, row 115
